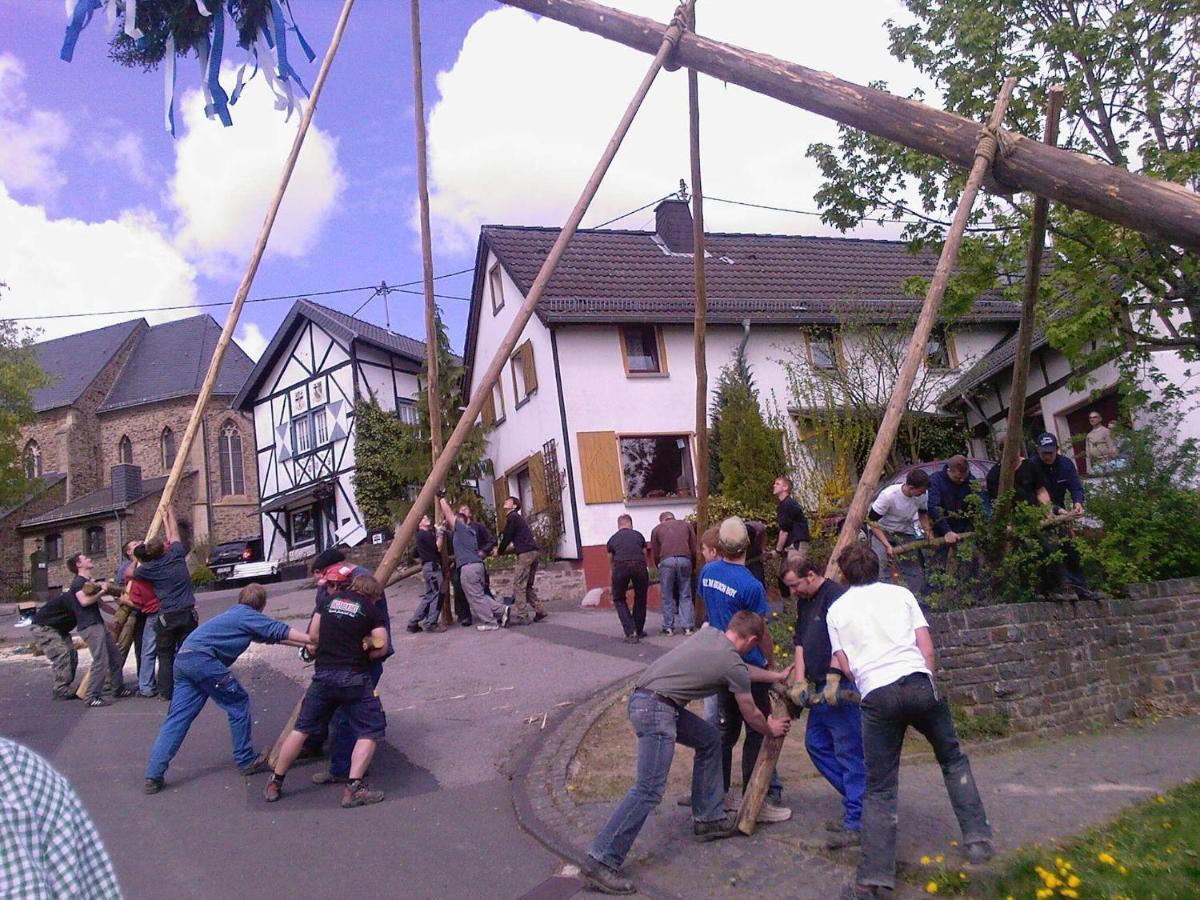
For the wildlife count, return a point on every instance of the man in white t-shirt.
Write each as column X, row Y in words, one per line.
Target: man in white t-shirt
column 891, row 520
column 878, row 633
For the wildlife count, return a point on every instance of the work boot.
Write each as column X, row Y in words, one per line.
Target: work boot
column 843, row 838
column 541, row 615
column 273, row 791
column 259, row 765
column 604, row 879
column 358, row 794
column 714, row 831
column 979, row 852
column 413, row 628
column 152, row 785
column 328, row 778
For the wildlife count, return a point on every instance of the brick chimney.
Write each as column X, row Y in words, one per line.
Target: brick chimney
column 126, row 483
column 673, row 223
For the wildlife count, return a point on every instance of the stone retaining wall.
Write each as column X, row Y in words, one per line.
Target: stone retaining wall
column 1047, row 666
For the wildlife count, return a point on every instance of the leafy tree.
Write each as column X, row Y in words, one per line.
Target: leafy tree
column 750, row 452
column 1132, row 99
column 20, row 376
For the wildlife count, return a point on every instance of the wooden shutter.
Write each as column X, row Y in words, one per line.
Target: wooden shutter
column 537, row 481
column 500, row 493
column 529, row 370
column 489, row 411
column 600, row 464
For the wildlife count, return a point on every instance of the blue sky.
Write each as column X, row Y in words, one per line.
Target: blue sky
column 106, row 211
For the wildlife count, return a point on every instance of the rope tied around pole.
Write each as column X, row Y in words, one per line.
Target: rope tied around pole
column 684, row 19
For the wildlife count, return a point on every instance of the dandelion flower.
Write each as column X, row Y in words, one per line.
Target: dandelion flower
column 1122, row 870
column 932, row 887
column 954, row 843
column 939, row 859
column 1067, row 892
column 1160, row 799
column 962, row 876
column 1074, row 881
column 1166, row 824
column 925, row 860
column 1106, row 858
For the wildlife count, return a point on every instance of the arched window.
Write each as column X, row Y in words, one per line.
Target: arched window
column 168, row 448
column 33, row 460
column 233, row 480
column 125, row 450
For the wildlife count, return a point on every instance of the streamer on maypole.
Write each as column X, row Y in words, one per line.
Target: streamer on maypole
column 157, row 32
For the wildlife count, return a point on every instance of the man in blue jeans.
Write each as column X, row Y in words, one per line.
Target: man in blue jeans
column 879, row 635
column 707, row 661
column 673, row 547
column 833, row 736
column 202, row 672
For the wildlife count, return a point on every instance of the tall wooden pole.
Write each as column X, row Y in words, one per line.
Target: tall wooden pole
column 699, row 324
column 239, row 298
column 486, row 382
column 1033, row 273
column 756, row 790
column 1167, row 210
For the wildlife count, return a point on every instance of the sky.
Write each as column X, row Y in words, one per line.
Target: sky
column 102, row 210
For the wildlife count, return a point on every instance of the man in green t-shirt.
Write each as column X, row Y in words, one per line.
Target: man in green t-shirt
column 708, row 660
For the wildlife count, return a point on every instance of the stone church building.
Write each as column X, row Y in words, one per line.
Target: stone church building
column 107, row 431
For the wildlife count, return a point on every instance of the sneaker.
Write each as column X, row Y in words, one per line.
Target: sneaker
column 150, row 696
column 491, row 627
column 328, row 778
column 773, row 812
column 413, row 628
column 124, row 691
column 504, row 616
column 273, row 791
column 632, row 639
column 843, row 838
column 714, row 831
column 258, row 766
column 97, row 702
column 979, row 852
column 465, row 623
column 666, row 631
column 152, row 785
column 435, row 628
column 688, row 632
column 360, row 796
column 604, row 879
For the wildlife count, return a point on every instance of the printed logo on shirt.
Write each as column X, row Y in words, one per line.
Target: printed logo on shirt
column 345, row 608
column 719, row 586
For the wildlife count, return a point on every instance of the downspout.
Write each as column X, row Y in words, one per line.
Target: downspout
column 354, row 368
column 562, row 414
column 745, row 337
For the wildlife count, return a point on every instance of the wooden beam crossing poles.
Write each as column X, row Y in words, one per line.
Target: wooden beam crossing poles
column 756, row 791
column 1033, row 275
column 699, row 324
column 669, row 38
column 239, row 298
column 1169, row 211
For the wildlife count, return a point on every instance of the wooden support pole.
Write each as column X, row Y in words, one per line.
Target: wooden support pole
column 1169, row 211
column 932, row 543
column 699, row 324
column 239, row 298
column 490, row 375
column 1033, row 274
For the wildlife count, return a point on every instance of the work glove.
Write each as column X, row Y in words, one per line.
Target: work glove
column 830, row 694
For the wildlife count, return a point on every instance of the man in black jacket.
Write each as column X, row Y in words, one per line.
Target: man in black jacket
column 527, row 608
column 51, row 630
column 428, row 552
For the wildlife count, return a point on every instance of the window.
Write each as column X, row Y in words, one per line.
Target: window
column 657, row 466
column 301, row 435
column 524, row 485
column 33, row 460
column 823, row 349
column 496, row 286
column 125, row 450
column 407, row 412
column 229, row 452
column 524, row 373
column 938, row 351
column 303, row 526
column 54, row 547
column 642, row 347
column 310, row 431
column 168, row 448
column 93, row 541
column 320, row 427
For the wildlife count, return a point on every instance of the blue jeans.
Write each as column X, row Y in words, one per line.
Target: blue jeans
column 430, row 606
column 147, row 683
column 886, row 714
column 834, row 743
column 675, row 581
column 659, row 727
column 199, row 677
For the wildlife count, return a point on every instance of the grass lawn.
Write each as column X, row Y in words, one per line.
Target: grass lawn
column 1151, row 851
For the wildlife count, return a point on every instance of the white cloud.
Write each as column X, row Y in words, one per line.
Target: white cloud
column 252, row 340
column 529, row 104
column 55, row 266
column 225, row 177
column 30, row 139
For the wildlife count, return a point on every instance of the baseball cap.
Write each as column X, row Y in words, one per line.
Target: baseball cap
column 1047, row 441
column 732, row 536
column 339, row 574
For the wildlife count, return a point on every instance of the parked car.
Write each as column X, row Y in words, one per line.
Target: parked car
column 241, row 560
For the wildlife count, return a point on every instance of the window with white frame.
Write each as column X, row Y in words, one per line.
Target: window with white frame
column 822, row 348
column 320, row 422
column 310, row 431
column 33, row 460
column 657, row 466
column 303, row 526
column 407, row 412
column 496, row 286
column 229, row 451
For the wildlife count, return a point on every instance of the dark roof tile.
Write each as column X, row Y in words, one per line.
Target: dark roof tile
column 73, row 362
column 94, row 504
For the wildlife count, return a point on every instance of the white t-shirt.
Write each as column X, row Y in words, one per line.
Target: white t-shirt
column 896, row 509
column 875, row 625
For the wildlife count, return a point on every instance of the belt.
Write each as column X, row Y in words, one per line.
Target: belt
column 661, row 698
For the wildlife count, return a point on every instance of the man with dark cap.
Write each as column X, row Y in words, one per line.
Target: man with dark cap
column 1062, row 478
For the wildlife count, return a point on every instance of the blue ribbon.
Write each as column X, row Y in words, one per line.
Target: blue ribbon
column 79, row 20
column 220, row 100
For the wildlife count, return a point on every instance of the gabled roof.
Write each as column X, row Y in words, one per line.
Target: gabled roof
column 75, row 361
column 342, row 327
column 989, row 366
column 98, row 502
column 38, row 487
column 171, row 361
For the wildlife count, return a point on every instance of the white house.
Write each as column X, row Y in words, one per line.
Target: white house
column 302, row 393
column 601, row 389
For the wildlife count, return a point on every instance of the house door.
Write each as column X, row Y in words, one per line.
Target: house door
column 1109, row 407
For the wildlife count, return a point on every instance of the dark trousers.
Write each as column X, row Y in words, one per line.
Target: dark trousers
column 139, row 630
column 624, row 576
column 730, row 725
column 887, row 712
column 341, row 746
column 170, row 631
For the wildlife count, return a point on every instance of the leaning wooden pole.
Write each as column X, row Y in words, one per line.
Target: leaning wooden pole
column 756, row 791
column 486, row 382
column 699, row 324
column 1169, row 211
column 1033, row 274
column 239, row 298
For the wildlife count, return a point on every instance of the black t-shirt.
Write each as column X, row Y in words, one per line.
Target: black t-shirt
column 1026, row 483
column 758, row 538
column 792, row 521
column 84, row 615
column 812, row 633
column 57, row 613
column 427, row 548
column 627, row 546
column 171, row 579
column 346, row 618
